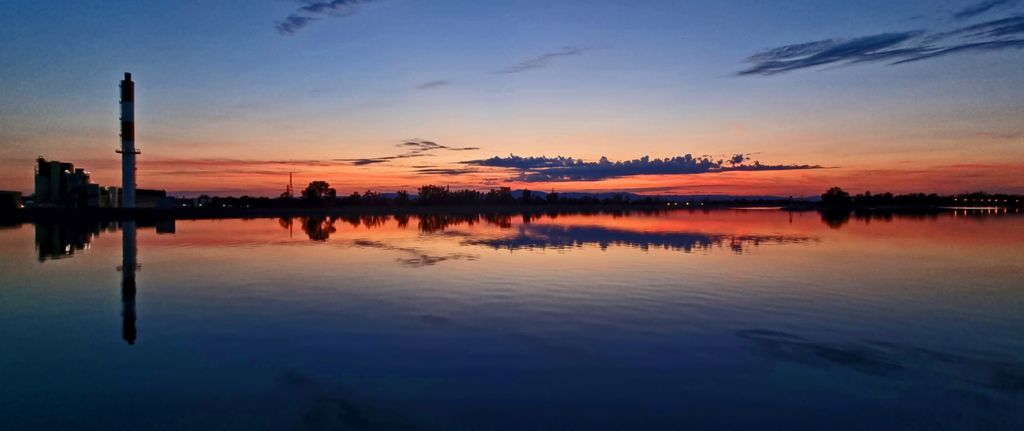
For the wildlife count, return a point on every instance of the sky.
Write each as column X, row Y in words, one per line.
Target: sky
column 783, row 98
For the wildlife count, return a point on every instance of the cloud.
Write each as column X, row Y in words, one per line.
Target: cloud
column 293, row 23
column 895, row 48
column 979, row 46
column 542, row 60
column 414, row 148
column 445, row 171
column 980, row 8
column 375, row 160
column 420, row 146
column 315, row 10
column 432, row 84
column 1009, row 26
column 804, row 55
column 560, row 169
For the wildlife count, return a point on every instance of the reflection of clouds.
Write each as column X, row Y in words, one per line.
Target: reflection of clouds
column 320, row 407
column 530, row 236
column 889, row 359
column 416, row 257
column 532, row 233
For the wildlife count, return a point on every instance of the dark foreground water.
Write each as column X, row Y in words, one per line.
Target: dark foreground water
column 682, row 320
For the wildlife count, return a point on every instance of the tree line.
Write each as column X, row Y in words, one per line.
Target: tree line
column 836, row 197
column 322, row 194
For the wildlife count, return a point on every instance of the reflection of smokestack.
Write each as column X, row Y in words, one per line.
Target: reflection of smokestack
column 128, row 266
column 128, row 151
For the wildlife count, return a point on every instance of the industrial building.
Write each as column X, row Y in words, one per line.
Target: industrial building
column 10, row 201
column 61, row 185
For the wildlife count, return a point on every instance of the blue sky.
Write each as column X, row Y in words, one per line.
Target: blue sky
column 218, row 81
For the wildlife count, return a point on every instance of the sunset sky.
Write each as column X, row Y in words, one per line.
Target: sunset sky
column 232, row 95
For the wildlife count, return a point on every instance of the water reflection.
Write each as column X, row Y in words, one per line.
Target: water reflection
column 537, row 231
column 562, row 236
column 315, row 331
column 880, row 358
column 129, row 263
column 321, row 406
column 59, row 240
column 417, row 257
column 63, row 240
column 836, row 219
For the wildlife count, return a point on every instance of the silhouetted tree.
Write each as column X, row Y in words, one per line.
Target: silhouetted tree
column 835, row 197
column 501, row 195
column 402, row 197
column 431, row 194
column 318, row 191
column 373, row 198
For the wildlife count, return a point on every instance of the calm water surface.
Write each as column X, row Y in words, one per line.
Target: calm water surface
column 680, row 320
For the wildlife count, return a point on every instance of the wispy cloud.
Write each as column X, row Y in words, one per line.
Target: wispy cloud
column 376, row 160
column 542, row 60
column 314, row 10
column 419, row 145
column 976, row 9
column 559, row 169
column 432, row 84
column 414, row 148
column 446, row 171
column 894, row 48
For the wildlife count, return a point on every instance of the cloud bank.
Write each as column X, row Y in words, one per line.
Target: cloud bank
column 316, row 10
column 562, row 169
column 894, row 48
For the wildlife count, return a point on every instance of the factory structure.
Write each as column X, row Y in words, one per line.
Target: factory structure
column 62, row 185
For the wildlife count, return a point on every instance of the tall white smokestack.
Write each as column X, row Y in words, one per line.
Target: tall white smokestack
column 128, row 151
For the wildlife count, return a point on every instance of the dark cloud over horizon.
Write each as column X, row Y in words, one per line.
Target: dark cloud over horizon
column 314, row 10
column 894, row 48
column 561, row 169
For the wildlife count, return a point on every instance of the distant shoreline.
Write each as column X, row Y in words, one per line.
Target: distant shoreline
column 28, row 215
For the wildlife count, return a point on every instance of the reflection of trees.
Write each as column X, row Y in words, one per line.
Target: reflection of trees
column 373, row 221
column 318, row 228
column 430, row 223
column 836, row 219
column 402, row 220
